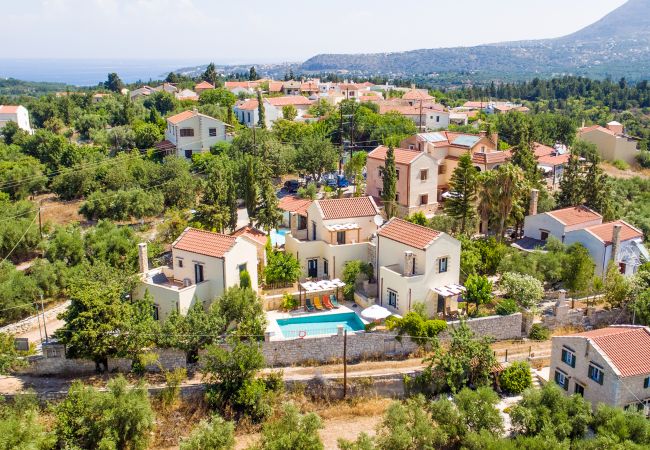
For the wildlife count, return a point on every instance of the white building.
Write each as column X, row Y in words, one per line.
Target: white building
column 609, row 365
column 417, row 265
column 559, row 222
column 17, row 114
column 328, row 233
column 204, row 265
column 247, row 113
column 191, row 132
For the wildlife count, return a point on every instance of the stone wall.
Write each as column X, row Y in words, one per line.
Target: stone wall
column 31, row 323
column 586, row 319
column 497, row 327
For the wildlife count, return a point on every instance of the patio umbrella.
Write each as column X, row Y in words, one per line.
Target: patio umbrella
column 375, row 312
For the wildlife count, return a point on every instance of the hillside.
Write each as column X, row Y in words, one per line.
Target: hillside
column 616, row 45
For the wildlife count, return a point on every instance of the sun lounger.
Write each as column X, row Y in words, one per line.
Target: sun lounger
column 334, row 301
column 326, row 302
column 309, row 307
column 318, row 304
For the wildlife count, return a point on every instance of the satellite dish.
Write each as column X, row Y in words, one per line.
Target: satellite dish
column 379, row 221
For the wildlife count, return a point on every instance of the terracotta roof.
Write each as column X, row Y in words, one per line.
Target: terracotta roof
column 542, row 150
column 408, row 233
column 416, row 94
column 9, row 109
column 490, row 157
column 165, row 146
column 594, row 128
column 248, row 105
column 240, row 84
column 605, row 232
column 275, row 86
column 475, row 104
column 252, row 233
column 180, row 117
column 204, row 85
column 289, row 100
column 204, row 242
column 554, row 160
column 574, row 215
column 627, row 347
column 293, row 203
column 402, row 155
column 344, row 208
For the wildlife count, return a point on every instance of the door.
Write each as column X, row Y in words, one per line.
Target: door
column 198, row 273
column 312, row 268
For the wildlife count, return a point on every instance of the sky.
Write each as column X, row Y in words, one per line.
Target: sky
column 276, row 30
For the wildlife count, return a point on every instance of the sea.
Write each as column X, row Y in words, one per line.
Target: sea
column 90, row 72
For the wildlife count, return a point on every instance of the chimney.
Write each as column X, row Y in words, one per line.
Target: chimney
column 143, row 258
column 616, row 240
column 615, row 127
column 409, row 260
column 534, row 198
column 495, row 138
column 482, row 133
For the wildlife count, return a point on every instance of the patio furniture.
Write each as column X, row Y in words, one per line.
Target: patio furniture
column 318, row 304
column 309, row 307
column 316, row 287
column 334, row 301
column 326, row 302
column 375, row 312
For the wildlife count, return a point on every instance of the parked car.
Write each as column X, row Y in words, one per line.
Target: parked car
column 343, row 182
column 292, row 186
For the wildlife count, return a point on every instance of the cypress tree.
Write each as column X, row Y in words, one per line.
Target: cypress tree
column 462, row 186
column 261, row 122
column 389, row 191
column 252, row 74
column 268, row 215
column 571, row 184
column 249, row 184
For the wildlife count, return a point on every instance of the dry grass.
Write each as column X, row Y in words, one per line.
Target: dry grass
column 634, row 171
column 59, row 212
column 567, row 329
column 174, row 423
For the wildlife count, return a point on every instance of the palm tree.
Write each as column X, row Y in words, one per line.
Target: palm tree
column 509, row 185
column 486, row 193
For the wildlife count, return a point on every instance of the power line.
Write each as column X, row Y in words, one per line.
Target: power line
column 20, row 240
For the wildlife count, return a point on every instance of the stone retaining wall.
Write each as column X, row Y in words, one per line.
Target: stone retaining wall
column 31, row 323
column 497, row 327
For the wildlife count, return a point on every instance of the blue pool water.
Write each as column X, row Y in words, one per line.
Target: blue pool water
column 277, row 237
column 319, row 325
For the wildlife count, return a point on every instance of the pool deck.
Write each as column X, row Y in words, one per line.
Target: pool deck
column 276, row 332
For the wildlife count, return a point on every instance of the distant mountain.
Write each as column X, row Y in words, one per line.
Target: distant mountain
column 616, row 45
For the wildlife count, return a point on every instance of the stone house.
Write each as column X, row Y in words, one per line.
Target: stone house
column 191, row 132
column 608, row 365
column 611, row 141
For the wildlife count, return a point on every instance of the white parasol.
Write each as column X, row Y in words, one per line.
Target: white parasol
column 375, row 312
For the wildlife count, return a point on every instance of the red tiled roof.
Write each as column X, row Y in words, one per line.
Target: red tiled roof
column 204, row 242
column 554, row 160
column 344, row 208
column 595, row 127
column 248, row 105
column 408, row 233
column 415, row 94
column 275, row 86
column 402, row 155
column 293, row 203
column 289, row 100
column 574, row 215
column 204, row 85
column 252, row 233
column 475, row 104
column 542, row 150
column 627, row 347
column 605, row 232
column 165, row 146
column 490, row 157
column 178, row 118
column 9, row 109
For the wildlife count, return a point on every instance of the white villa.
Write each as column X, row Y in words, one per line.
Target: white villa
column 329, row 233
column 247, row 113
column 417, row 265
column 191, row 132
column 204, row 265
column 17, row 114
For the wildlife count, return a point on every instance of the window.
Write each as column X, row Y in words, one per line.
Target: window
column 595, row 373
column 397, row 174
column 326, row 268
column 424, row 174
column 442, row 169
column 212, row 132
column 646, row 383
column 188, row 153
column 340, row 237
column 579, row 389
column 543, row 235
column 562, row 380
column 313, row 230
column 198, row 273
column 392, row 298
column 424, row 199
column 302, row 222
column 156, row 312
column 249, row 117
column 397, row 196
column 568, row 357
column 437, row 118
column 242, row 268
column 180, row 262
column 187, row 132
column 442, row 264
column 411, row 146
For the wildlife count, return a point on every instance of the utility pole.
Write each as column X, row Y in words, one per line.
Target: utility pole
column 40, row 221
column 345, row 363
column 44, row 326
column 38, row 318
column 341, row 138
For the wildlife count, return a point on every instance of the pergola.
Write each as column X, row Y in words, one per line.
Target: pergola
column 317, row 287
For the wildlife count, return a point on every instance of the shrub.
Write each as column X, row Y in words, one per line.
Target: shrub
column 351, row 272
column 539, row 332
column 620, row 164
column 170, row 393
column 289, row 302
column 419, row 329
column 643, row 158
column 506, row 307
column 292, row 430
column 524, row 289
column 253, row 399
column 215, row 434
column 281, row 267
column 244, row 279
column 516, row 378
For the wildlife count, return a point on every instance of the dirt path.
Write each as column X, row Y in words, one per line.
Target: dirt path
column 333, row 429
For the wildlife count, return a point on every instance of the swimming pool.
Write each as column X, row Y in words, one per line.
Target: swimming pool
column 277, row 237
column 319, row 325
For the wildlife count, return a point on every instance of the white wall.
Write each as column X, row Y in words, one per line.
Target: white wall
column 243, row 252
column 534, row 224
